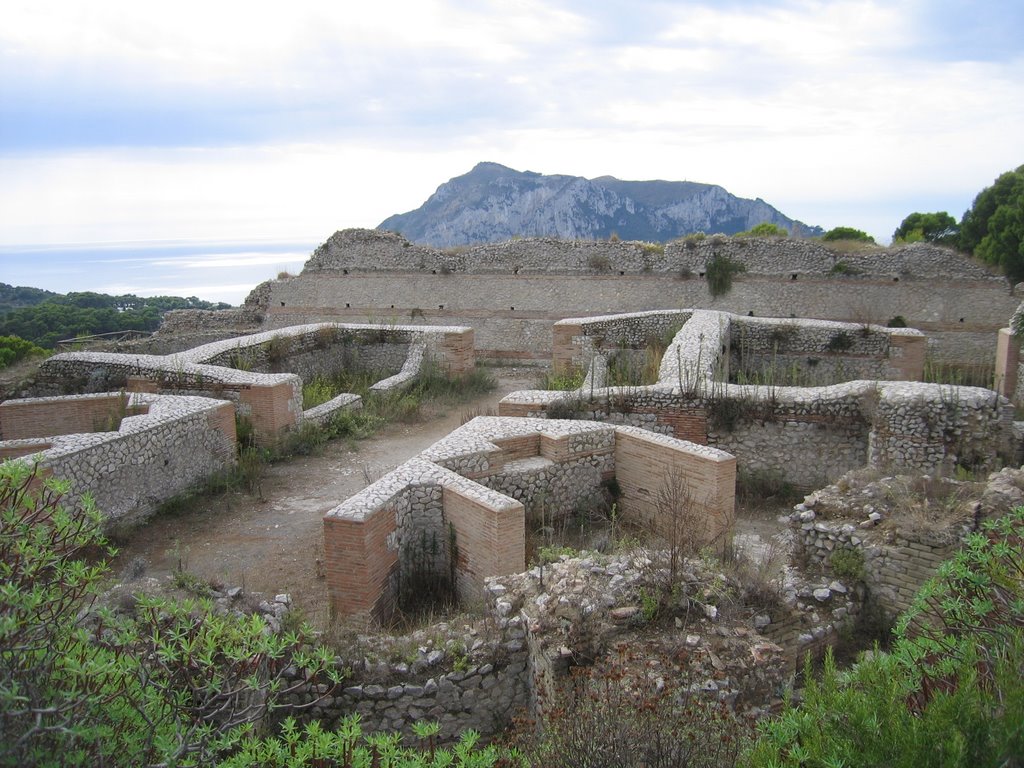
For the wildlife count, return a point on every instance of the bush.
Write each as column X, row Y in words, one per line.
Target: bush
column 720, row 271
column 174, row 682
column 847, row 233
column 14, row 349
column 848, row 563
column 765, row 229
column 348, row 746
column 949, row 694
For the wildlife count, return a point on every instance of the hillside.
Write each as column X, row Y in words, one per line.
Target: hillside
column 44, row 317
column 493, row 203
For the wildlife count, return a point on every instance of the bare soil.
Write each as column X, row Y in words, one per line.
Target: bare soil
column 274, row 544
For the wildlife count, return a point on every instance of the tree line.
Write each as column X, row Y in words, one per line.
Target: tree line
column 44, row 318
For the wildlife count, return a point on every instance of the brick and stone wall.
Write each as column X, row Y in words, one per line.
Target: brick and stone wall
column 258, row 372
column 160, row 447
column 488, row 472
column 511, row 293
column 808, row 435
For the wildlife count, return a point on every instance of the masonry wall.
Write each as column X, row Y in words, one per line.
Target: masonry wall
column 489, row 538
column 491, row 473
column 511, row 293
column 42, row 417
column 896, row 566
column 681, row 492
column 170, row 445
column 248, row 370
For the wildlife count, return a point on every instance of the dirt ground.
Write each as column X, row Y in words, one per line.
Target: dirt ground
column 274, row 544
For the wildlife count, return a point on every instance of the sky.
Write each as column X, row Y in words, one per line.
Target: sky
column 251, row 131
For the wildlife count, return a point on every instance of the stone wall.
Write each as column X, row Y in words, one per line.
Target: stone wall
column 808, row 435
column 251, row 370
column 488, row 472
column 161, row 447
column 511, row 293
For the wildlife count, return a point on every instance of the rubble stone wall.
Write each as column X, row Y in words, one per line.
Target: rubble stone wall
column 163, row 446
column 808, row 435
column 511, row 293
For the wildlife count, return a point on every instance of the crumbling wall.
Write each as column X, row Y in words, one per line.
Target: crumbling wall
column 512, row 292
column 807, row 435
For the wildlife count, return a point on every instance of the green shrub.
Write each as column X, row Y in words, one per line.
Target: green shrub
column 949, row 694
column 347, row 745
column 843, row 268
column 765, row 229
column 562, row 382
column 840, row 342
column 848, row 563
column 14, row 349
column 318, row 391
column 720, row 271
column 847, row 233
column 169, row 683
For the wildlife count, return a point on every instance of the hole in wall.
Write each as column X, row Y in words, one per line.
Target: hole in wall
column 282, row 303
column 700, row 274
column 511, row 309
column 344, row 271
column 440, row 306
column 895, row 279
column 347, row 305
column 433, row 271
column 750, row 313
column 392, row 306
column 793, row 276
column 621, row 273
column 961, row 319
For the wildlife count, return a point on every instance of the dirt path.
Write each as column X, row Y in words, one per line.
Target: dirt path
column 275, row 545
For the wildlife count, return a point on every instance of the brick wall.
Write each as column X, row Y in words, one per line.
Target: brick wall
column 39, row 417
column 645, row 465
column 489, row 537
column 359, row 563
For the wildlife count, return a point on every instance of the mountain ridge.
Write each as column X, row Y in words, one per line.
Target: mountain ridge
column 492, row 203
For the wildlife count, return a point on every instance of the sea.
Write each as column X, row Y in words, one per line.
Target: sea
column 211, row 270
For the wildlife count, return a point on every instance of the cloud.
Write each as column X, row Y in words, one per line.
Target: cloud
column 122, row 120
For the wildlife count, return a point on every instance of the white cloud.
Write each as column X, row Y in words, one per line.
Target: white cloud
column 253, row 119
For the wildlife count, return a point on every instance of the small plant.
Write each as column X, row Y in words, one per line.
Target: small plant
column 598, row 262
column 898, row 321
column 765, row 229
column 278, row 349
column 843, row 268
column 720, row 272
column 566, row 381
column 840, row 342
column 652, row 249
column 848, row 563
column 325, row 336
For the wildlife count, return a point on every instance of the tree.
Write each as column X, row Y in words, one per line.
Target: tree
column 993, row 228
column 765, row 229
column 939, row 228
column 847, row 233
column 170, row 682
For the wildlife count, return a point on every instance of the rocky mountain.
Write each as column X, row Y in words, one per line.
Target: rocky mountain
column 492, row 203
